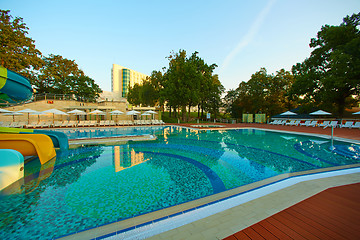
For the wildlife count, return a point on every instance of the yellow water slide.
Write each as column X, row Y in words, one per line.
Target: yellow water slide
column 29, row 145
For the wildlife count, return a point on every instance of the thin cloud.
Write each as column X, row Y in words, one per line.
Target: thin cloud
column 249, row 35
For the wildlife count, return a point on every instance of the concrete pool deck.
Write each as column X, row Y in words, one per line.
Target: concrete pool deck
column 230, row 221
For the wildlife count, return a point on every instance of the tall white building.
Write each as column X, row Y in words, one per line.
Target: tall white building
column 122, row 78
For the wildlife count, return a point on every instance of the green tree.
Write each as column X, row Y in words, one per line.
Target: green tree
column 330, row 77
column 229, row 103
column 18, row 51
column 214, row 101
column 134, row 94
column 265, row 93
column 56, row 75
column 84, row 88
column 188, row 81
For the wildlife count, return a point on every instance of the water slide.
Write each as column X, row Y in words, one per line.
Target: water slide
column 29, row 145
column 14, row 88
column 59, row 139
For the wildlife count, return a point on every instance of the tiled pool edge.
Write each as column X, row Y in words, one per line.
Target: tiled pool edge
column 181, row 218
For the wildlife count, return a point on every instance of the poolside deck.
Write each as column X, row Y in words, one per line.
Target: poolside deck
column 331, row 214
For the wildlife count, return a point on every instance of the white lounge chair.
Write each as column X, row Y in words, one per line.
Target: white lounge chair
column 292, row 122
column 312, row 124
column 92, row 123
column 274, row 122
column 57, row 124
column 332, row 124
column 306, row 123
column 356, row 125
column 323, row 124
column 348, row 124
column 297, row 122
column 81, row 124
column 31, row 125
column 281, row 122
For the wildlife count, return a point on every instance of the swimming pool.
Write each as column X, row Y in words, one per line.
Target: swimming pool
column 92, row 186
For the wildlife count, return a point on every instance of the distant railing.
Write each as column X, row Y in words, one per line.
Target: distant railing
column 49, row 96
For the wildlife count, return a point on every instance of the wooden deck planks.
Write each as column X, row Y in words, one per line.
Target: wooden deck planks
column 331, row 214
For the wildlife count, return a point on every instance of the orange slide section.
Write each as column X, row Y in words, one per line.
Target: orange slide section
column 29, row 145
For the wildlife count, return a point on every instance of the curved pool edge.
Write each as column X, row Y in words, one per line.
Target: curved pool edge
column 220, row 205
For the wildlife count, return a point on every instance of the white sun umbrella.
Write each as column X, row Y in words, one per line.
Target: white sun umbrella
column 320, row 112
column 38, row 114
column 13, row 114
column 54, row 112
column 356, row 113
column 116, row 113
column 28, row 111
column 132, row 113
column 77, row 112
column 146, row 114
column 4, row 111
column 97, row 112
column 151, row 112
column 288, row 113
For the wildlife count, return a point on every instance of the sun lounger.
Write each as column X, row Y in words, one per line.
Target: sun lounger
column 312, row 124
column 290, row 123
column 348, row 124
column 71, row 124
column 356, row 125
column 57, row 124
column 120, row 123
column 332, row 124
column 323, row 124
column 31, row 125
column 306, row 123
column 81, row 124
column 275, row 122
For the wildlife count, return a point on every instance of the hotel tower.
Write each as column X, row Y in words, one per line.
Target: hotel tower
column 122, row 78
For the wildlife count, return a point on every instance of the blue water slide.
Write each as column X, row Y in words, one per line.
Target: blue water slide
column 14, row 87
column 59, row 139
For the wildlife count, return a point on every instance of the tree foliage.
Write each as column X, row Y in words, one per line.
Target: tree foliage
column 18, row 51
column 57, row 74
column 53, row 74
column 187, row 82
column 263, row 93
column 330, row 77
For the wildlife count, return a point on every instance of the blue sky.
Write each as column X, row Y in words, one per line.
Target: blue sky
column 240, row 36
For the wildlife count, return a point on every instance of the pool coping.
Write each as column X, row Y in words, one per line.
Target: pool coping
column 144, row 223
column 110, row 140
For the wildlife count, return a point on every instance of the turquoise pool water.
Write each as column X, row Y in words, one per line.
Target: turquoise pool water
column 100, row 132
column 92, row 186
